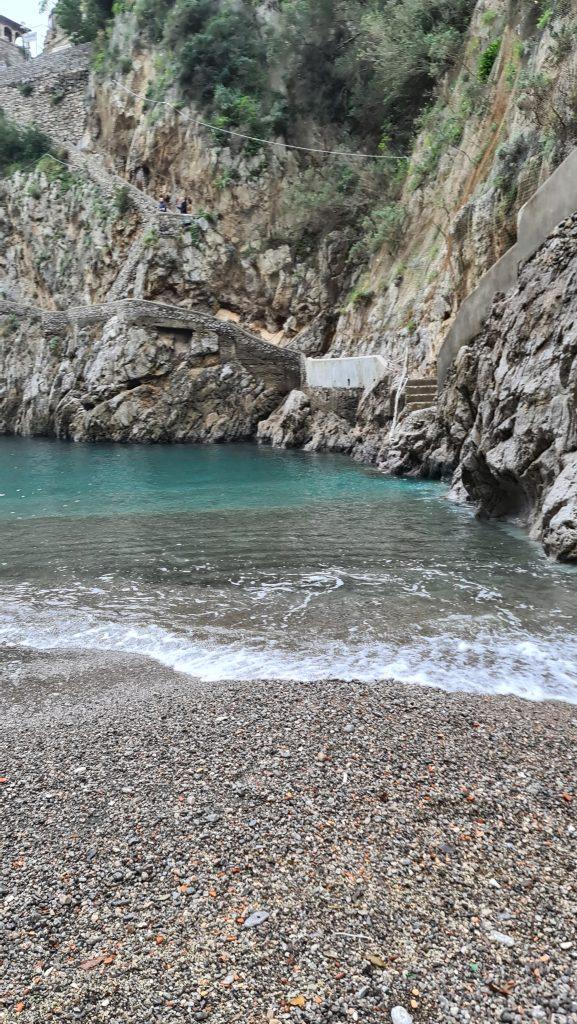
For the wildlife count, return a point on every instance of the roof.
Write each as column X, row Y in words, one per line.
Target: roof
column 13, row 24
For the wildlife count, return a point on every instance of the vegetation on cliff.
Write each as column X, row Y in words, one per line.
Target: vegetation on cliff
column 20, row 148
column 82, row 20
column 367, row 69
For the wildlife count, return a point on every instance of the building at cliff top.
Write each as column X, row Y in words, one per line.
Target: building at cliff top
column 11, row 31
column 13, row 46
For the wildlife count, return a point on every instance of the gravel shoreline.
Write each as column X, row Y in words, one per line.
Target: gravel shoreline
column 281, row 852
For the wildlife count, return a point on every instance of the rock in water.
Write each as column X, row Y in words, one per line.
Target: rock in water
column 401, row 1016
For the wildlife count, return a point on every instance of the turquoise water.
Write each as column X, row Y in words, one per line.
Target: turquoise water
column 45, row 478
column 240, row 562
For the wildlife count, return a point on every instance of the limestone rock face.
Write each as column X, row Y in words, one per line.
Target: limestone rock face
column 287, row 426
column 121, row 382
column 297, row 425
column 507, row 421
column 62, row 242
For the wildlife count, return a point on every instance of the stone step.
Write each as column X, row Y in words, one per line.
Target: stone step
column 421, row 396
column 424, row 404
column 414, row 390
column 421, row 380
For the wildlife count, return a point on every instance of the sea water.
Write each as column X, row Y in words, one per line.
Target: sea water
column 239, row 562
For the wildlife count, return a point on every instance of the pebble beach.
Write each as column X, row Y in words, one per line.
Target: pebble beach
column 267, row 852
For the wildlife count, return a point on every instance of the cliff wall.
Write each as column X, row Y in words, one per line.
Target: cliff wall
column 393, row 286
column 505, row 430
column 133, row 371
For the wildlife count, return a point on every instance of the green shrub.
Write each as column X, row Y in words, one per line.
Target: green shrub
column 123, row 201
column 360, row 296
column 324, row 199
column 443, row 128
column 487, row 60
column 388, row 224
column 20, row 148
column 26, row 89
column 82, row 21
column 196, row 235
column 54, row 170
column 55, row 345
column 545, row 18
column 226, row 178
column 509, row 159
column 150, row 238
column 10, row 324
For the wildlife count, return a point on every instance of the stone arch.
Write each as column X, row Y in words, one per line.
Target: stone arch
column 8, row 34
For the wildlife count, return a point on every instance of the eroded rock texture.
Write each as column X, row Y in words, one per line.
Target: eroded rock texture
column 507, row 420
column 124, row 382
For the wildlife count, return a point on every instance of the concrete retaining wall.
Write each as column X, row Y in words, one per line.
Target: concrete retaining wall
column 550, row 204
column 355, row 372
column 57, row 85
column 475, row 309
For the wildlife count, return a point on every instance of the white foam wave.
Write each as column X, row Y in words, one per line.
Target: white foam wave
column 532, row 667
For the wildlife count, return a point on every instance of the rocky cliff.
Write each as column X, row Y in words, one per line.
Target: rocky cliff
column 505, row 429
column 390, row 281
column 508, row 418
column 131, row 371
column 329, row 255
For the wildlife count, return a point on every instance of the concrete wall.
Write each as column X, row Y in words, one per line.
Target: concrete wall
column 355, row 372
column 555, row 200
column 475, row 309
column 57, row 101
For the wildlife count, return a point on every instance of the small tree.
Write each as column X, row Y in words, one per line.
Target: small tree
column 20, row 147
column 123, row 201
column 81, row 19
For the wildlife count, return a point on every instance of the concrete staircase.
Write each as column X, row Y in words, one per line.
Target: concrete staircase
column 420, row 393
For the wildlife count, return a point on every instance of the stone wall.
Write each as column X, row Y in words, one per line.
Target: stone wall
column 56, row 85
column 11, row 55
